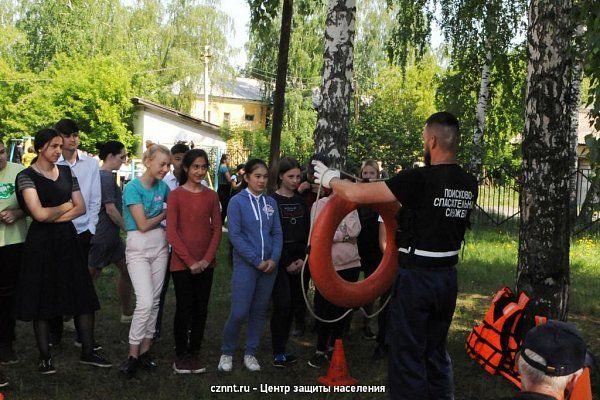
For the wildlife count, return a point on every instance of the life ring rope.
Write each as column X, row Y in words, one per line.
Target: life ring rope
column 304, row 294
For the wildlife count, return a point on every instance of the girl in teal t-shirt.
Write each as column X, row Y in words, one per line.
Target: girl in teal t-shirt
column 146, row 253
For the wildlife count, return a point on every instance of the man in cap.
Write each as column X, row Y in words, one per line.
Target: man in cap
column 551, row 359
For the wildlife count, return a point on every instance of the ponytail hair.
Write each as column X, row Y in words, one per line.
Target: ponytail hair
column 249, row 168
column 154, row 148
column 111, row 147
column 42, row 137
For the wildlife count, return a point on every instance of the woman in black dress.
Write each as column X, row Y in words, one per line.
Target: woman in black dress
column 54, row 280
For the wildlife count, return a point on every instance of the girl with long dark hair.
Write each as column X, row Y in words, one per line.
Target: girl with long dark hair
column 106, row 246
column 194, row 232
column 287, row 291
column 54, row 280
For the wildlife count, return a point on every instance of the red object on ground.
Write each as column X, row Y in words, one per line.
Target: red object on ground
column 338, row 374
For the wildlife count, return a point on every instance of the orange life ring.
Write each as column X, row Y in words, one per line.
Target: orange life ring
column 335, row 289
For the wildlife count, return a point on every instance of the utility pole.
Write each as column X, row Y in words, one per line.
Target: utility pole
column 279, row 100
column 207, row 56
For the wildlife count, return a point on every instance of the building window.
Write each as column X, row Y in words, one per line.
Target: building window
column 249, row 117
column 226, row 118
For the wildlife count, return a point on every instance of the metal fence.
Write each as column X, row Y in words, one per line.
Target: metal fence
column 498, row 204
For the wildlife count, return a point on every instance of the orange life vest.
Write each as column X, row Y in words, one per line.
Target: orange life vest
column 495, row 342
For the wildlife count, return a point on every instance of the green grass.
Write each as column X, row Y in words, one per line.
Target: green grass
column 489, row 263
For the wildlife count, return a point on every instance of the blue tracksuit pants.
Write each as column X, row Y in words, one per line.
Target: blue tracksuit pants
column 250, row 295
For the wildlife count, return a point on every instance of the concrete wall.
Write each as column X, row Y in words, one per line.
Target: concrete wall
column 167, row 130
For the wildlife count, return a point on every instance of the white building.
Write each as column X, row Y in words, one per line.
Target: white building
column 163, row 125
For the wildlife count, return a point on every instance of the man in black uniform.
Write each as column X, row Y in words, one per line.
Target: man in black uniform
column 437, row 201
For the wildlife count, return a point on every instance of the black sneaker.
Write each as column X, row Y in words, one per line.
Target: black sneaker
column 46, row 367
column 147, row 361
column 284, row 360
column 3, row 380
column 129, row 367
column 95, row 347
column 96, row 359
column 318, row 360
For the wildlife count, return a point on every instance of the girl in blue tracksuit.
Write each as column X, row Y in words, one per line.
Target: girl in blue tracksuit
column 256, row 237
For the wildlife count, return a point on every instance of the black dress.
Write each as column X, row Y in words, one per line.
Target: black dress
column 54, row 278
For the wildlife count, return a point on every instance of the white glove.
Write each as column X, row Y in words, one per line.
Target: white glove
column 324, row 175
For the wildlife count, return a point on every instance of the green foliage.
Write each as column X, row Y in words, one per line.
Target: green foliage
column 412, row 32
column 85, row 59
column 391, row 119
column 457, row 93
column 94, row 92
column 590, row 14
column 304, row 70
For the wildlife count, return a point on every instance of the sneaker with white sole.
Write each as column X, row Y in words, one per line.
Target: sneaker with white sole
column 225, row 363
column 126, row 319
column 251, row 363
column 96, row 359
column 95, row 345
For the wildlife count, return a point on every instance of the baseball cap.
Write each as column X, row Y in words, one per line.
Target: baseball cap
column 560, row 344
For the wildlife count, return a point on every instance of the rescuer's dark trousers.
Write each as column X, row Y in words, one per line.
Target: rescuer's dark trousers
column 422, row 305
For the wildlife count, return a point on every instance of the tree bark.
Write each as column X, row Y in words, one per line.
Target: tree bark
column 482, row 103
column 331, row 133
column 543, row 265
column 574, row 140
column 279, row 97
column 574, row 132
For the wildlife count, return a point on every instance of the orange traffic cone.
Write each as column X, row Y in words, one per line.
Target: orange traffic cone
column 583, row 388
column 338, row 374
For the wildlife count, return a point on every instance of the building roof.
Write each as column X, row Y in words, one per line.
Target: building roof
column 240, row 89
column 172, row 112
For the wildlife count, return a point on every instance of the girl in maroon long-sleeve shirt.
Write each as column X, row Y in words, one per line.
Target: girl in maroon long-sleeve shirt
column 194, row 232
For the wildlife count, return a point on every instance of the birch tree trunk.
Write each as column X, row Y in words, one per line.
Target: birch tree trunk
column 331, row 133
column 573, row 140
column 482, row 103
column 543, row 266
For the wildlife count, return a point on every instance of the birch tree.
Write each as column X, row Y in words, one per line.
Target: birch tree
column 543, row 265
column 333, row 100
column 479, row 33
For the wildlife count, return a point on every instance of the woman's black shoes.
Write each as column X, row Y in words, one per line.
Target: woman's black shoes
column 129, row 367
column 147, row 362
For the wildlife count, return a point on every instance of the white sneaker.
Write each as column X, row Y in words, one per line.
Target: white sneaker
column 225, row 363
column 251, row 363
